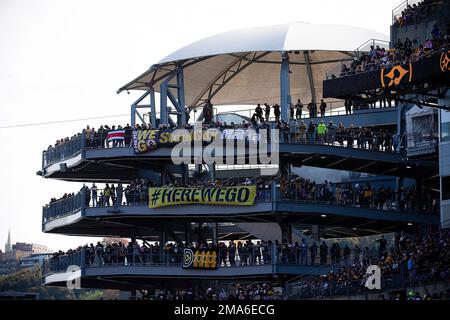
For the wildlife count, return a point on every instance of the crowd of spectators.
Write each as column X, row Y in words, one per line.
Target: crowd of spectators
column 411, row 262
column 408, row 262
column 403, row 52
column 294, row 131
column 235, row 292
column 338, row 135
column 64, row 197
column 406, row 198
column 136, row 192
column 239, row 253
column 416, row 12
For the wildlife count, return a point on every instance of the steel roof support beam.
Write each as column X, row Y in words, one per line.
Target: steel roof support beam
column 216, row 79
column 152, row 107
column 226, row 75
column 177, row 101
column 285, row 86
column 310, row 76
column 164, row 110
column 135, row 106
column 180, row 95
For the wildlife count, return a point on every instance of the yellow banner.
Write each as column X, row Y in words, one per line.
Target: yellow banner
column 224, row 196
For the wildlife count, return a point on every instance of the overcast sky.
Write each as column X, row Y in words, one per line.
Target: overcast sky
column 65, row 60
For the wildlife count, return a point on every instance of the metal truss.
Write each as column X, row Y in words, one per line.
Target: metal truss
column 228, row 73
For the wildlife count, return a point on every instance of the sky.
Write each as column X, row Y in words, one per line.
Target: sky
column 62, row 60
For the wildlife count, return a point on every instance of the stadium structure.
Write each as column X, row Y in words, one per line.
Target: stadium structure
column 225, row 73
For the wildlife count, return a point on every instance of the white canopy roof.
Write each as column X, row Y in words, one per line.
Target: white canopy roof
column 243, row 66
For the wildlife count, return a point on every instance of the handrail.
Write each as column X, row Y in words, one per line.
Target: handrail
column 133, row 256
column 327, row 267
column 348, row 196
column 370, row 67
column 81, row 143
column 336, row 68
column 391, row 281
column 398, row 11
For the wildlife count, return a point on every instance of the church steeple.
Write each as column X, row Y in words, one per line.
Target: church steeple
column 8, row 243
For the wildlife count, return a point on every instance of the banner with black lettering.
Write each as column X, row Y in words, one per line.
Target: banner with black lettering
column 224, row 196
column 199, row 259
column 146, row 140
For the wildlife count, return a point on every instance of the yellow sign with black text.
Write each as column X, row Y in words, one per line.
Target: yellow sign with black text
column 200, row 259
column 224, row 196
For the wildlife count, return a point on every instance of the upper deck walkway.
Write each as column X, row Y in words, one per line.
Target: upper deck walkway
column 75, row 161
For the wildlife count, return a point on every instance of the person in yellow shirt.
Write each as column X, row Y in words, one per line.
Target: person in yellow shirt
column 321, row 131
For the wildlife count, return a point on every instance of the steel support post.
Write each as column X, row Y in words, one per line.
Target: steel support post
column 133, row 116
column 152, row 107
column 180, row 96
column 284, row 86
column 164, row 111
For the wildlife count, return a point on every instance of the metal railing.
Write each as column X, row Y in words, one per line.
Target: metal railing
column 393, row 281
column 62, row 151
column 62, row 262
column 356, row 139
column 73, row 147
column 291, row 286
column 416, row 15
column 336, row 69
column 370, row 67
column 121, row 256
column 63, row 207
column 348, row 195
column 331, row 110
column 340, row 194
column 132, row 197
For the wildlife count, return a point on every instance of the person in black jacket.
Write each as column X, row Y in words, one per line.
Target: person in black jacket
column 277, row 112
column 232, row 253
column 323, row 253
column 259, row 113
column 128, row 134
column 312, row 108
column 313, row 253
column 267, row 111
column 223, row 251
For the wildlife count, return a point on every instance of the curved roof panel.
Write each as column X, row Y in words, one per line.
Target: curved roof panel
column 283, row 37
column 243, row 66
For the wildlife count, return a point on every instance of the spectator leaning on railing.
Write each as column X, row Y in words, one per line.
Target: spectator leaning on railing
column 416, row 12
column 406, row 198
column 403, row 52
column 294, row 131
column 422, row 259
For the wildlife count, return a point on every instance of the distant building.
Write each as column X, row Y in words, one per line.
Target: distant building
column 15, row 255
column 32, row 260
column 20, row 250
column 32, row 248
